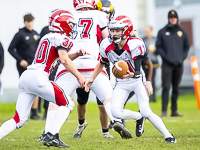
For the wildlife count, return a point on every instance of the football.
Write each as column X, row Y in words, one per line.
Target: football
column 120, row 68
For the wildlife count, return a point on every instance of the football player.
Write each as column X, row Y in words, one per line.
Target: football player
column 122, row 47
column 52, row 50
column 91, row 27
column 82, row 96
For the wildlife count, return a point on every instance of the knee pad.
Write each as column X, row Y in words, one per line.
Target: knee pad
column 99, row 102
column 82, row 96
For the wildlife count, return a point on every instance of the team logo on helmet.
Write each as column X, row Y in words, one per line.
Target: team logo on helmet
column 63, row 21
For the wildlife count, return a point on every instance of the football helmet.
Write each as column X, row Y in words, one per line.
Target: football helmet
column 78, row 4
column 105, row 6
column 120, row 22
column 63, row 21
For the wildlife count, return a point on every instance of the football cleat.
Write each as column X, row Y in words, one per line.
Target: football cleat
column 111, row 124
column 79, row 130
column 41, row 138
column 53, row 140
column 139, row 127
column 107, row 135
column 124, row 133
column 170, row 140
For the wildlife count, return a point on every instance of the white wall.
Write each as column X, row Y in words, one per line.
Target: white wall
column 12, row 12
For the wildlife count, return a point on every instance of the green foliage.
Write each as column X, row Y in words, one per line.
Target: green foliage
column 186, row 130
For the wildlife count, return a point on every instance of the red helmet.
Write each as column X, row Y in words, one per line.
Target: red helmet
column 121, row 22
column 78, row 4
column 63, row 21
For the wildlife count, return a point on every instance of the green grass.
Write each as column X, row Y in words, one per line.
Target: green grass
column 186, row 130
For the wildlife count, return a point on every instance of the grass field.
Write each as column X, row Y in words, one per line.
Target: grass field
column 186, row 130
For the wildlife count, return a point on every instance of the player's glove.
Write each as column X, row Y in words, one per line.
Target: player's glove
column 136, row 74
column 149, row 87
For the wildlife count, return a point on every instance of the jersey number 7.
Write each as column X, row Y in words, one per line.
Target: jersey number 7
column 86, row 23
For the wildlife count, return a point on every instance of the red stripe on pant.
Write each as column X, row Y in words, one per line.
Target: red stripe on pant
column 80, row 70
column 61, row 99
column 16, row 117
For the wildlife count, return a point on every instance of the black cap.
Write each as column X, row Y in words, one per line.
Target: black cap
column 172, row 13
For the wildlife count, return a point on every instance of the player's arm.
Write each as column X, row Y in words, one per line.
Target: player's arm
column 81, row 52
column 97, row 70
column 105, row 33
column 150, row 69
column 66, row 61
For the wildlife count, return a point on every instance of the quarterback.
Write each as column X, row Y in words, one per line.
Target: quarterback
column 122, row 47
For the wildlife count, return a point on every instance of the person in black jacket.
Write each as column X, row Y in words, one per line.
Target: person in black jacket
column 1, row 63
column 172, row 44
column 23, row 47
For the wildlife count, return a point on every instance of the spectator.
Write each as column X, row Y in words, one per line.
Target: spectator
column 23, row 47
column 172, row 44
column 1, row 63
column 149, row 41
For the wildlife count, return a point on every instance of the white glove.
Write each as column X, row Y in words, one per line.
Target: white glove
column 149, row 87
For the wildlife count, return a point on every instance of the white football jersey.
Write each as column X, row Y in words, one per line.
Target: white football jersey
column 89, row 25
column 133, row 48
column 46, row 56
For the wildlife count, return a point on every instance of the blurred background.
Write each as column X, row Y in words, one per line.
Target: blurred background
column 141, row 12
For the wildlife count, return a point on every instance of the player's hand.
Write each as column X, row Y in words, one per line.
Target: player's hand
column 88, row 84
column 149, row 87
column 23, row 63
column 128, row 75
column 81, row 81
column 82, row 52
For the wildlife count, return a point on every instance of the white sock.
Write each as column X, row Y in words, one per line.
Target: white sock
column 49, row 120
column 7, row 127
column 159, row 125
column 107, row 107
column 59, row 119
column 129, row 114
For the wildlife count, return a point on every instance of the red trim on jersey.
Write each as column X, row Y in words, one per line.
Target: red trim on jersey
column 129, row 67
column 16, row 117
column 80, row 70
column 99, row 56
column 53, row 55
column 127, row 48
column 98, row 34
column 60, row 97
column 110, row 47
column 135, row 58
column 132, row 38
column 140, row 50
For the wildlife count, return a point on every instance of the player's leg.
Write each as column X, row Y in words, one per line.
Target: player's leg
column 146, row 112
column 82, row 98
column 54, row 93
column 56, row 116
column 22, row 110
column 103, row 90
column 103, row 119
